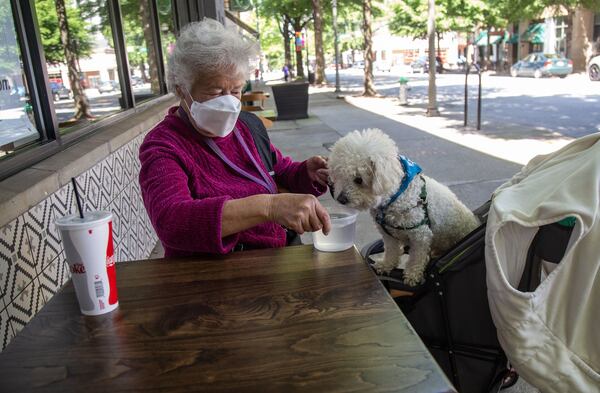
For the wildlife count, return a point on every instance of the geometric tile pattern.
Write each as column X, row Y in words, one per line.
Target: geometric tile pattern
column 33, row 266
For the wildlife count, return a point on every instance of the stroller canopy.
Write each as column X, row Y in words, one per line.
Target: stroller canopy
column 550, row 335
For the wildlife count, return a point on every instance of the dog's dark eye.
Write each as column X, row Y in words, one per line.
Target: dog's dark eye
column 358, row 180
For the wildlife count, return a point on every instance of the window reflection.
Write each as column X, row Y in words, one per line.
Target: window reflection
column 167, row 28
column 80, row 58
column 17, row 125
column 141, row 50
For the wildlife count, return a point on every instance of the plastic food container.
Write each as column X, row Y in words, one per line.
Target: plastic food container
column 343, row 228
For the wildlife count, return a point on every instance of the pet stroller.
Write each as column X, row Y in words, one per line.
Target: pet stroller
column 450, row 311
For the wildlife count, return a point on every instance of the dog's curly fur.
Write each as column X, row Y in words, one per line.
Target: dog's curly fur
column 366, row 172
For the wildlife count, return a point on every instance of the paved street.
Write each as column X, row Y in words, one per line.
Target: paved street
column 511, row 107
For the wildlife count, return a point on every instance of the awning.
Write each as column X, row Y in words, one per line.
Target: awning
column 514, row 39
column 534, row 33
column 494, row 38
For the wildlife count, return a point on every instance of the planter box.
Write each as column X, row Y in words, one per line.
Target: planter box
column 291, row 100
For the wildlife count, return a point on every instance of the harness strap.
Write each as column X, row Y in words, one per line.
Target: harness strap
column 380, row 218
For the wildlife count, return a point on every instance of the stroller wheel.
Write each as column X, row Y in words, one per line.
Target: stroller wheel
column 509, row 379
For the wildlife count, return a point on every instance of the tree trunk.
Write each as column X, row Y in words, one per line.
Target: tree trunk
column 82, row 106
column 368, row 43
column 569, row 33
column 143, row 72
column 320, row 57
column 299, row 65
column 150, row 49
column 285, row 32
column 432, row 109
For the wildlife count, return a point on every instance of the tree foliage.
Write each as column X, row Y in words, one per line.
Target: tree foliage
column 50, row 33
column 410, row 17
column 292, row 16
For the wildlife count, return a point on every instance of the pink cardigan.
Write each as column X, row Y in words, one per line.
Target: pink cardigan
column 184, row 186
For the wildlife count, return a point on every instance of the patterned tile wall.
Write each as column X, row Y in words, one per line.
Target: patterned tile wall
column 32, row 261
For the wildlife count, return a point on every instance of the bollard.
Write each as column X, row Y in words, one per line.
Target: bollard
column 402, row 95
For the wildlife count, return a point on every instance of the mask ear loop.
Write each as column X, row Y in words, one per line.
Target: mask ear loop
column 185, row 95
column 188, row 110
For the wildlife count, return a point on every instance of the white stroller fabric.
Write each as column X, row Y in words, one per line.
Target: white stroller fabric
column 552, row 335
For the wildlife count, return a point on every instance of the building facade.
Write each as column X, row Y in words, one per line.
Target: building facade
column 575, row 36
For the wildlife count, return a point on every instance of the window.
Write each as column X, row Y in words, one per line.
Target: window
column 65, row 65
column 167, row 28
column 142, row 51
column 561, row 35
column 81, row 63
column 17, row 125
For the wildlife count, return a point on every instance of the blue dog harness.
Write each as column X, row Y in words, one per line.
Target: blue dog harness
column 411, row 170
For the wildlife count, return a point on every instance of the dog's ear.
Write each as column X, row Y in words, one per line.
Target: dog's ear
column 387, row 174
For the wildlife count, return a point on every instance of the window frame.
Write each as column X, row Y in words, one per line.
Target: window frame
column 36, row 75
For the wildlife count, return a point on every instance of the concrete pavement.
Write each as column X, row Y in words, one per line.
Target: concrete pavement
column 472, row 175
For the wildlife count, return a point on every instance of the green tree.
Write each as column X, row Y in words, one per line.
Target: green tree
column 293, row 16
column 410, row 17
column 139, row 39
column 51, row 35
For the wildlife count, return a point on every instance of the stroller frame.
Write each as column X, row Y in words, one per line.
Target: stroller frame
column 455, row 347
column 446, row 343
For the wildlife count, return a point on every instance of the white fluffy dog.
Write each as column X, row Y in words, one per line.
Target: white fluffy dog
column 410, row 209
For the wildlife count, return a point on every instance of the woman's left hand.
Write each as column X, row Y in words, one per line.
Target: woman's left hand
column 317, row 170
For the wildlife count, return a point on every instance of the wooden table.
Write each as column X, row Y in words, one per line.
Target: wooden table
column 284, row 320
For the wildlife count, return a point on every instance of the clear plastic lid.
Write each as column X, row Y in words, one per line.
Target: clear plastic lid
column 90, row 219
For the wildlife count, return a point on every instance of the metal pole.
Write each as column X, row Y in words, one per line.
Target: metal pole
column 467, row 92
column 306, row 44
column 335, row 40
column 260, row 63
column 479, row 103
column 432, row 109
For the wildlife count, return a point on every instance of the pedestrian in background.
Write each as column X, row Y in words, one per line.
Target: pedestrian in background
column 286, row 72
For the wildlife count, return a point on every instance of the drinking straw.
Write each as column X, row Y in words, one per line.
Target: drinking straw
column 77, row 198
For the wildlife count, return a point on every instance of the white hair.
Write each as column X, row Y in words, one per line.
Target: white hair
column 207, row 48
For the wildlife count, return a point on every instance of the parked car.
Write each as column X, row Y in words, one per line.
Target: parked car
column 108, row 87
column 359, row 64
column 594, row 68
column 136, row 80
column 59, row 91
column 542, row 64
column 382, row 65
column 421, row 65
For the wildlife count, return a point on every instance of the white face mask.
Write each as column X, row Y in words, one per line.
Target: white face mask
column 216, row 116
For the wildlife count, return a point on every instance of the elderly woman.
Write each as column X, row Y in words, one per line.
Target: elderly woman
column 205, row 184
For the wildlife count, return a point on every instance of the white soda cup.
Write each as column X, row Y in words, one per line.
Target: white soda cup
column 88, row 245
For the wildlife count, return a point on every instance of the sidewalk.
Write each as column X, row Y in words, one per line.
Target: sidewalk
column 470, row 174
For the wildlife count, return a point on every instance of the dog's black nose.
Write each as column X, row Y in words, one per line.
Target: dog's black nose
column 342, row 198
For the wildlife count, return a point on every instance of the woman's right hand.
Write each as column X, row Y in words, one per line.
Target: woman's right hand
column 299, row 212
